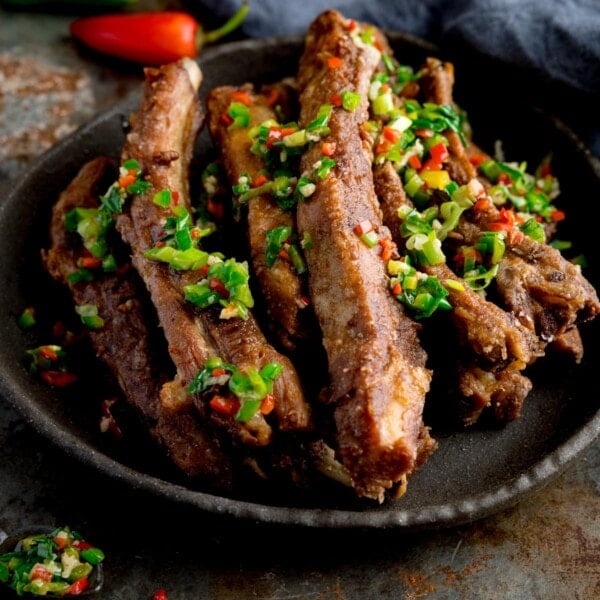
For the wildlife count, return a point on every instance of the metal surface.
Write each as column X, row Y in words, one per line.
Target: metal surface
column 546, row 547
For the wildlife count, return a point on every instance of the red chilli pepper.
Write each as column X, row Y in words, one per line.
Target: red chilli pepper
column 242, row 96
column 259, row 180
column 77, row 588
column 415, row 162
column 58, row 378
column 391, row 134
column 90, row 262
column 388, row 248
column 363, row 227
column 477, row 159
column 267, row 404
column 328, row 148
column 216, row 285
column 215, row 208
column 224, row 405
column 334, row 62
column 303, row 302
column 40, row 572
column 439, row 152
column 150, row 38
column 272, row 96
column 226, row 119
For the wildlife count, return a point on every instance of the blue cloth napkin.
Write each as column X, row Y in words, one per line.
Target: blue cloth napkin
column 560, row 38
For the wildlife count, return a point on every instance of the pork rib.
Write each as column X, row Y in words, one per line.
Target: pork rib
column 117, row 295
column 378, row 377
column 162, row 138
column 126, row 344
column 281, row 286
column 545, row 291
column 495, row 346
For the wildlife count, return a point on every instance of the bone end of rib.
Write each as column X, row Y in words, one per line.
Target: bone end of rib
column 193, row 70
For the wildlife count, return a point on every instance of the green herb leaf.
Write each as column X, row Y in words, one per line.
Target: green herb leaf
column 276, row 237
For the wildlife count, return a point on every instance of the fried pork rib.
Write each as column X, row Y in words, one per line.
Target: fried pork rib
column 126, row 344
column 378, row 377
column 117, row 294
column 545, row 296
column 281, row 287
column 494, row 346
column 162, row 139
column 545, row 291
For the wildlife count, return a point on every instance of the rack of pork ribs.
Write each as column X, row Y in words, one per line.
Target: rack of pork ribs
column 349, row 401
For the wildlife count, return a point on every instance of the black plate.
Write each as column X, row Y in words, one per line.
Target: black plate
column 475, row 472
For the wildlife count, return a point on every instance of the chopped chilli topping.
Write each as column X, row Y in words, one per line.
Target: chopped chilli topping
column 239, row 393
column 59, row 563
column 410, row 135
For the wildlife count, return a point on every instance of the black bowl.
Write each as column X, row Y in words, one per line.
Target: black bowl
column 475, row 472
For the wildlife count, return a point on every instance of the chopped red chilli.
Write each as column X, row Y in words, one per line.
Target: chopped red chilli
column 50, row 363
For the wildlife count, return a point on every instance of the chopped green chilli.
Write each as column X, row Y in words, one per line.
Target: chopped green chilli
column 27, row 318
column 276, row 238
column 478, row 264
column 282, row 243
column 94, row 225
column 350, row 100
column 421, row 293
column 281, row 146
column 527, row 193
column 226, row 283
column 240, row 114
column 89, row 316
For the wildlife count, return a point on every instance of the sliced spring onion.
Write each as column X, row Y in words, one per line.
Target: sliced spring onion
column 421, row 293
column 89, row 316
column 240, row 114
column 534, row 230
column 226, row 283
column 276, row 237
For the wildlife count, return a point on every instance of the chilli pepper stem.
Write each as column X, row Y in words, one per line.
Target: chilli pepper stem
column 208, row 37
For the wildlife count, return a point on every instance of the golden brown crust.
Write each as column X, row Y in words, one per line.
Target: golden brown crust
column 378, row 378
column 281, row 287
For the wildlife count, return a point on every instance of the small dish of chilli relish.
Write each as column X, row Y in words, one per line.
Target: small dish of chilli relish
column 55, row 562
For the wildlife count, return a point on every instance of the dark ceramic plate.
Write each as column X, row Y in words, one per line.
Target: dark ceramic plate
column 475, row 472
